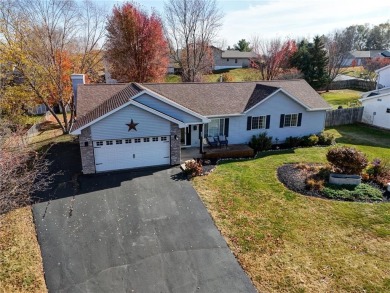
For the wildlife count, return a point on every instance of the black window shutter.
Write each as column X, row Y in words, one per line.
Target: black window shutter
column 226, row 126
column 200, row 131
column 268, row 121
column 299, row 119
column 249, row 123
column 206, row 130
column 281, row 121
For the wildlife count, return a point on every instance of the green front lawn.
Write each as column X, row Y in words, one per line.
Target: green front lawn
column 344, row 98
column 293, row 243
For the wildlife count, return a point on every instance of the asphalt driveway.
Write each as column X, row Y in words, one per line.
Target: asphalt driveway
column 140, row 231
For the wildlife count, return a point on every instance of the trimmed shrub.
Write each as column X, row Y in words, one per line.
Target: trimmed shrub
column 227, row 77
column 379, row 171
column 262, row 142
column 309, row 140
column 193, row 168
column 347, row 160
column 325, row 138
column 293, row 141
column 362, row 192
column 313, row 184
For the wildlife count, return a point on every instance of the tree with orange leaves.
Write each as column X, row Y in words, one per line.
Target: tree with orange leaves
column 41, row 44
column 136, row 48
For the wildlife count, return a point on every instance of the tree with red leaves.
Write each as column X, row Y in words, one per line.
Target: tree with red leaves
column 272, row 56
column 136, row 48
column 373, row 64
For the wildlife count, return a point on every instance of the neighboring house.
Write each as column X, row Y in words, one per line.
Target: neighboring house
column 357, row 58
column 383, row 77
column 377, row 108
column 122, row 126
column 231, row 58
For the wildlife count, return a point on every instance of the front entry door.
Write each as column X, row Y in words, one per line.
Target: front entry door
column 186, row 136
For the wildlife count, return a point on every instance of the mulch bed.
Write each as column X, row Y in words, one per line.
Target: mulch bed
column 294, row 179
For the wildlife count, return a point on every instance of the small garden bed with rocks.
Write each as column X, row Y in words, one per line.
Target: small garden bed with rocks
column 312, row 180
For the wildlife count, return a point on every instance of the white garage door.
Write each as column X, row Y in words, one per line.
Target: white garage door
column 131, row 153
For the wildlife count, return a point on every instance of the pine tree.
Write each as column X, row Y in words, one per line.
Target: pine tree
column 311, row 59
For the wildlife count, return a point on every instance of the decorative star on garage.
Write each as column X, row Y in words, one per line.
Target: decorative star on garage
column 132, row 125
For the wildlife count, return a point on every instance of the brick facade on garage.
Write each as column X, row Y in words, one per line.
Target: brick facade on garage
column 175, row 144
column 86, row 149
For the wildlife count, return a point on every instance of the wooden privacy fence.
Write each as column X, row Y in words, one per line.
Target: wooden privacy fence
column 343, row 116
column 359, row 84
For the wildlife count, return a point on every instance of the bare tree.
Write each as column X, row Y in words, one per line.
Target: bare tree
column 44, row 41
column 191, row 26
column 337, row 46
column 23, row 171
column 273, row 56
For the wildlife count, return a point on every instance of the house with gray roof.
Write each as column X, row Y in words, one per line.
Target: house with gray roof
column 122, row 126
column 231, row 59
column 358, row 58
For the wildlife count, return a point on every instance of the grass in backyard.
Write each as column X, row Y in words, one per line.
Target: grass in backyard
column 20, row 257
column 357, row 71
column 172, row 78
column 344, row 98
column 238, row 74
column 293, row 243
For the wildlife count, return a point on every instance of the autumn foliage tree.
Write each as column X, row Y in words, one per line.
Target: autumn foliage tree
column 273, row 56
column 42, row 42
column 136, row 48
column 373, row 64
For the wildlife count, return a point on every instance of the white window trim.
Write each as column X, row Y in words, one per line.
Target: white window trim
column 219, row 127
column 265, row 122
column 284, row 122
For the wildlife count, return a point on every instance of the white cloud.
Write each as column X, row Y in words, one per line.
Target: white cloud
column 295, row 18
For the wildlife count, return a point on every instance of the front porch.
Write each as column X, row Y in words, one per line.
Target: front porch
column 232, row 151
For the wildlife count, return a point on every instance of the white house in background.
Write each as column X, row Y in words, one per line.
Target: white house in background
column 383, row 79
column 377, row 108
column 123, row 126
column 231, row 59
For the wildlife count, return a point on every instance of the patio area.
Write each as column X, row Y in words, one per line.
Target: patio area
column 232, row 151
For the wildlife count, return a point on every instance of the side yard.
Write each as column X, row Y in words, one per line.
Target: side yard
column 21, row 267
column 345, row 98
column 293, row 243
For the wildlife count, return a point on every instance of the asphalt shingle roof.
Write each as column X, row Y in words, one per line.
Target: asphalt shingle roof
column 206, row 99
column 94, row 101
column 237, row 54
column 234, row 97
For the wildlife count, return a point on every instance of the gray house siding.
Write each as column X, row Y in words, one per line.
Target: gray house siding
column 167, row 109
column 114, row 126
column 312, row 122
column 221, row 63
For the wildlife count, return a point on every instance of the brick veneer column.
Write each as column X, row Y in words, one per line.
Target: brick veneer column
column 87, row 156
column 175, row 144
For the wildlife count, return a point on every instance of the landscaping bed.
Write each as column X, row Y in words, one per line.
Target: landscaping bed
column 299, row 178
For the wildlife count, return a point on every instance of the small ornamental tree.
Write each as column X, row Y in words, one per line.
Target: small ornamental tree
column 347, row 160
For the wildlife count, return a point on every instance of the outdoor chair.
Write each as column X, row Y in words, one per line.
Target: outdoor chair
column 222, row 141
column 211, row 141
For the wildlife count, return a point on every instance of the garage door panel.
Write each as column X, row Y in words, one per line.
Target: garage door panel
column 140, row 152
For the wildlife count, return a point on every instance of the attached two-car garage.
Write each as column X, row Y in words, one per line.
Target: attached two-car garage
column 116, row 154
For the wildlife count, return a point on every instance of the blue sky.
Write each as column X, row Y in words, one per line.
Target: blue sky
column 289, row 18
